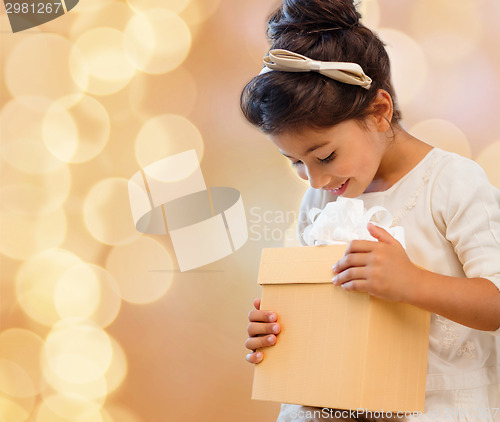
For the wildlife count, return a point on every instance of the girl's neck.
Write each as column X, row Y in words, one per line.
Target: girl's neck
column 403, row 153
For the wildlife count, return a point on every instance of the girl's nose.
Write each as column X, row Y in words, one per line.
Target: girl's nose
column 317, row 178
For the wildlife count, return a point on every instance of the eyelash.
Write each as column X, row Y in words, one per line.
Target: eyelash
column 323, row 160
column 329, row 158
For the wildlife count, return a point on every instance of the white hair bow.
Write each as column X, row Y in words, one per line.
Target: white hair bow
column 288, row 61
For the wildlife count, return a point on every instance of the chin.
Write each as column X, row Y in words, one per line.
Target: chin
column 348, row 195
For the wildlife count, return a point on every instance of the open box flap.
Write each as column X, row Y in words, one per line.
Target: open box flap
column 304, row 264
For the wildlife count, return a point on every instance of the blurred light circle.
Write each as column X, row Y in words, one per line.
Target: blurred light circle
column 167, row 135
column 89, row 7
column 37, row 280
column 23, row 348
column 106, row 417
column 68, row 408
column 21, row 198
column 90, row 292
column 117, row 413
column 488, row 159
column 106, row 13
column 408, row 64
column 370, row 13
column 175, row 6
column 198, row 11
column 101, row 50
column 142, row 270
column 455, row 44
column 157, row 41
column 118, row 369
column 21, row 122
column 96, row 390
column 256, row 42
column 14, row 381
column 107, row 213
column 77, row 293
column 35, row 195
column 38, row 66
column 467, row 93
column 14, row 409
column 24, row 235
column 76, row 132
column 447, row 33
column 110, row 300
column 59, row 131
column 78, row 351
column 8, row 43
column 153, row 95
column 442, row 134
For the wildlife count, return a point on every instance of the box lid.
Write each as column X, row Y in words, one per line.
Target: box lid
column 304, row 264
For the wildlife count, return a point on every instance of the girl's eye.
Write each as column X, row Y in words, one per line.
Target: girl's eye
column 329, row 158
column 296, row 163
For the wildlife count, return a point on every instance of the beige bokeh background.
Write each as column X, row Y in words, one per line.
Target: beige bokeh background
column 96, row 323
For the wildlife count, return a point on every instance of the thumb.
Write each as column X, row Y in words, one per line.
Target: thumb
column 380, row 234
column 256, row 303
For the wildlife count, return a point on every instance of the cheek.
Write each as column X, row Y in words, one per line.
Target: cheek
column 301, row 172
column 342, row 168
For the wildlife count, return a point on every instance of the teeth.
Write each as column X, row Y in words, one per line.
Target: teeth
column 338, row 187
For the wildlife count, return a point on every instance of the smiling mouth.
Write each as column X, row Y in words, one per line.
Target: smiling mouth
column 339, row 187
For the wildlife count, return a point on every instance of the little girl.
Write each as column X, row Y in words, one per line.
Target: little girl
column 326, row 101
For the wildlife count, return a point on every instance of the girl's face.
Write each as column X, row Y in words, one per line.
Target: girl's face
column 346, row 159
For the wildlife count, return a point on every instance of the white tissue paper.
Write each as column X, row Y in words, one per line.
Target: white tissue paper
column 346, row 219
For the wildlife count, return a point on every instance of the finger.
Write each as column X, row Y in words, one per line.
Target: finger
column 260, row 328
column 262, row 316
column 359, row 246
column 256, row 303
column 254, row 343
column 380, row 234
column 350, row 274
column 355, row 286
column 351, row 260
column 255, row 357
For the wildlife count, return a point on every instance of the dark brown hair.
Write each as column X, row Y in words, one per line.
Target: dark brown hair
column 326, row 30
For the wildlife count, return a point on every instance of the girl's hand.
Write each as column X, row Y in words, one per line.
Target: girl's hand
column 381, row 268
column 262, row 331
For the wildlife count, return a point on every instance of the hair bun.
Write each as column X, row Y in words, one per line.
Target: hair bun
column 312, row 16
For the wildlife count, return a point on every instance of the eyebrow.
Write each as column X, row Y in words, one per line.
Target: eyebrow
column 309, row 150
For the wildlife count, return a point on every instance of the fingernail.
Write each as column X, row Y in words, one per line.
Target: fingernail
column 259, row 356
column 276, row 329
column 335, row 280
column 248, row 356
column 272, row 318
column 346, row 286
column 334, row 268
column 270, row 339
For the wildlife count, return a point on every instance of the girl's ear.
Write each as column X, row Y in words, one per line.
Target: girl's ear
column 381, row 110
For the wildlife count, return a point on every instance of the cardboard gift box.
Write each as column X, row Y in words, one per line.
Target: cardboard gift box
column 337, row 349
